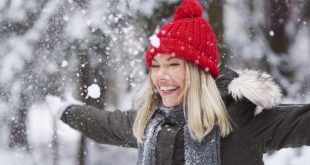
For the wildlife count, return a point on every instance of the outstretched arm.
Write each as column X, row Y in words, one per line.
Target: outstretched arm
column 106, row 127
column 281, row 127
column 246, row 94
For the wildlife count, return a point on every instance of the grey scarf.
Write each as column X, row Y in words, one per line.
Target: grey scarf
column 206, row 152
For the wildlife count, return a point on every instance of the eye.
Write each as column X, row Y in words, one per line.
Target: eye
column 155, row 66
column 174, row 64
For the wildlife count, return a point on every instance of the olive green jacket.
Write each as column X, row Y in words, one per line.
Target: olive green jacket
column 260, row 125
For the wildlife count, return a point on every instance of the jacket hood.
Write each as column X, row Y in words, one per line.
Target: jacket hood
column 256, row 86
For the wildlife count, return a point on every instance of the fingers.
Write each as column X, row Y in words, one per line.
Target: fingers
column 55, row 105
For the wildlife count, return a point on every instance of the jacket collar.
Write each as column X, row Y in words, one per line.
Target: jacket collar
column 255, row 86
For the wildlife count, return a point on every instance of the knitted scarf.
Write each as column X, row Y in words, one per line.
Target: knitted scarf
column 206, row 152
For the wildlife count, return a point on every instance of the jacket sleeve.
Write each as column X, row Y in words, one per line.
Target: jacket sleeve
column 106, row 127
column 239, row 111
column 281, row 127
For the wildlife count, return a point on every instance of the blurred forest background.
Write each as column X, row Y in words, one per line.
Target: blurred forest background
column 81, row 47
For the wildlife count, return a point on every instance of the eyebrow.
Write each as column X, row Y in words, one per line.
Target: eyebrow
column 173, row 57
column 170, row 58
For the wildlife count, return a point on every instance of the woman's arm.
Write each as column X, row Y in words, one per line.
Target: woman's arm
column 106, row 127
column 246, row 94
column 280, row 127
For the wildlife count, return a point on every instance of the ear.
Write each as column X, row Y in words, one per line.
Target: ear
column 256, row 86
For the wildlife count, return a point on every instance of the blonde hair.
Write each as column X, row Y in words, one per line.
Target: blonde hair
column 204, row 105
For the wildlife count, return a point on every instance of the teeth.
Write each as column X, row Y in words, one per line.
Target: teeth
column 166, row 88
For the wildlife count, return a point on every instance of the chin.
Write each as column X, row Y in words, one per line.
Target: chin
column 170, row 104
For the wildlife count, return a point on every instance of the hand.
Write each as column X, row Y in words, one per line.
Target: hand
column 57, row 106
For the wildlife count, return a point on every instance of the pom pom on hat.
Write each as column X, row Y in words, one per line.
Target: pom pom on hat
column 188, row 9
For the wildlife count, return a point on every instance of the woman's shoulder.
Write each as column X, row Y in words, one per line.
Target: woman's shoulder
column 254, row 85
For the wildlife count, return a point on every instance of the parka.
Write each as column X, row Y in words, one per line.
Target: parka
column 260, row 124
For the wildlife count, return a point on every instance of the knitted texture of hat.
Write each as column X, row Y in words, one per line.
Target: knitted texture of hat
column 188, row 36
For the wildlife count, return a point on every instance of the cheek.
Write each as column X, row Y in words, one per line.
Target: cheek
column 182, row 81
column 153, row 77
column 180, row 77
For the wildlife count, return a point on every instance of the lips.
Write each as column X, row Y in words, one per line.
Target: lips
column 166, row 90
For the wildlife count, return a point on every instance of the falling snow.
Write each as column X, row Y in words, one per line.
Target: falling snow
column 155, row 41
column 64, row 63
column 50, row 48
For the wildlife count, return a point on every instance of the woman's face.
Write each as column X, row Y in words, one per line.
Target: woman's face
column 168, row 76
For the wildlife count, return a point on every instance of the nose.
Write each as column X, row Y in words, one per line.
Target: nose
column 163, row 74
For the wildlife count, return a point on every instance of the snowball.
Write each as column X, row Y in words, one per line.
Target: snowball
column 271, row 33
column 155, row 41
column 93, row 91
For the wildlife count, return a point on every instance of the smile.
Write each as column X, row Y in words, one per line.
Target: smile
column 168, row 89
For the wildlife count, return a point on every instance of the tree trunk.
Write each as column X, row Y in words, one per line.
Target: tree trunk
column 85, row 76
column 88, row 75
column 278, row 14
column 216, row 20
column 82, row 151
column 18, row 131
column 55, row 146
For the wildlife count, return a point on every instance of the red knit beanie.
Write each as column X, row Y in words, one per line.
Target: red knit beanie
column 189, row 36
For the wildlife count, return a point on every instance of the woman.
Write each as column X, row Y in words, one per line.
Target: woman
column 189, row 112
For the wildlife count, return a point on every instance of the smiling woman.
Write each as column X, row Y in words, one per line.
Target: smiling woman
column 168, row 76
column 191, row 112
column 179, row 82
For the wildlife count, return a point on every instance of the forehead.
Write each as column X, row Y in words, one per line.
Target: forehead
column 165, row 57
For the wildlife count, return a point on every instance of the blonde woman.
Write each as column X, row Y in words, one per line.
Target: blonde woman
column 189, row 112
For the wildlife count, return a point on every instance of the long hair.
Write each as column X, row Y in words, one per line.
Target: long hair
column 202, row 101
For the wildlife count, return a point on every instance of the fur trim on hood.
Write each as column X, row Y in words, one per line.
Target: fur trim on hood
column 258, row 87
